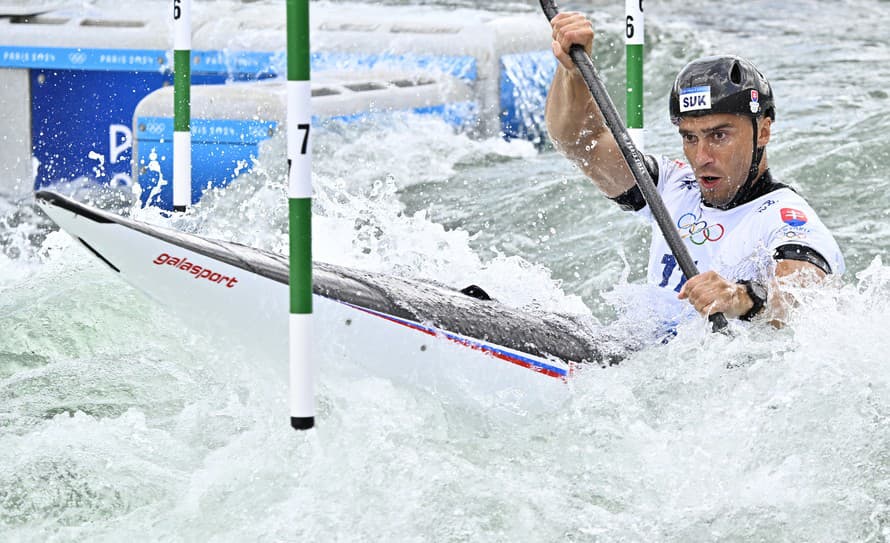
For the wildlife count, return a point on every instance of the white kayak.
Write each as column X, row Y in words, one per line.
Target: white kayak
column 454, row 342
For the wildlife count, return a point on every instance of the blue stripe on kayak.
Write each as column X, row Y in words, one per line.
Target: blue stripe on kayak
column 519, row 360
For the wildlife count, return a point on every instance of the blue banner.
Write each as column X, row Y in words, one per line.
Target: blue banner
column 235, row 63
column 223, row 131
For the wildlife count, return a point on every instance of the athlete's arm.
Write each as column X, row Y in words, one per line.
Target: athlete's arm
column 797, row 273
column 574, row 121
column 710, row 293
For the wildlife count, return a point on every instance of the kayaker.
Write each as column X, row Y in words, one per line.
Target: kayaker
column 748, row 234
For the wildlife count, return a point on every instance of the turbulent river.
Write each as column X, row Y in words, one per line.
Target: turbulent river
column 119, row 422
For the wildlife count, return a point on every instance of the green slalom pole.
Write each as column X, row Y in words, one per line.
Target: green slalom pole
column 299, row 159
column 182, row 81
column 633, row 40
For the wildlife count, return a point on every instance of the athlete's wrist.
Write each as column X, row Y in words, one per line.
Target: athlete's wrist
column 751, row 296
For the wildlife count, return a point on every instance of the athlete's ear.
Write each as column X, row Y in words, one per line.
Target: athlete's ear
column 765, row 125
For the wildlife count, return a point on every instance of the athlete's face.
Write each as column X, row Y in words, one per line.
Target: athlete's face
column 719, row 148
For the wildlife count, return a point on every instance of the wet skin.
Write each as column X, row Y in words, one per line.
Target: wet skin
column 719, row 148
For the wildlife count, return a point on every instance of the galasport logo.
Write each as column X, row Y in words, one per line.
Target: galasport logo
column 199, row 272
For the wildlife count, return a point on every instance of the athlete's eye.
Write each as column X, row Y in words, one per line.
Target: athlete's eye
column 689, row 138
column 719, row 136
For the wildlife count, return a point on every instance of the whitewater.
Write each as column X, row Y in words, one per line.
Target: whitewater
column 118, row 421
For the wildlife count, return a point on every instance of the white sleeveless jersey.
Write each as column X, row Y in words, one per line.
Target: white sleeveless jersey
column 738, row 243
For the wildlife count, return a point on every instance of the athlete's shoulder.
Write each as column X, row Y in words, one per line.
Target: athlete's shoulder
column 674, row 174
column 765, row 204
column 792, row 221
column 784, row 206
column 671, row 167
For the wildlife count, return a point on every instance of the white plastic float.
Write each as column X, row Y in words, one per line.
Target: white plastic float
column 230, row 121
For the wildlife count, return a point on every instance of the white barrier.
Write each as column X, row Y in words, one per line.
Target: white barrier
column 229, row 121
column 71, row 78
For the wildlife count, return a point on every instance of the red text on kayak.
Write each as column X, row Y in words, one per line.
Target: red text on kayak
column 198, row 271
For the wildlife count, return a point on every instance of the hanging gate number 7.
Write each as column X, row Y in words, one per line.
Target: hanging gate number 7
column 304, row 126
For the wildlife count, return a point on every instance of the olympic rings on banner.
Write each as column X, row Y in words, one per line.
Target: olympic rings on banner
column 699, row 231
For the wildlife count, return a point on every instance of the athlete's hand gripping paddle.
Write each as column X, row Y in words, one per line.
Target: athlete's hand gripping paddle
column 633, row 158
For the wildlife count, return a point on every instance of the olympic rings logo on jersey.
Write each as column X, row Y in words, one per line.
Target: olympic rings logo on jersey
column 795, row 232
column 698, row 230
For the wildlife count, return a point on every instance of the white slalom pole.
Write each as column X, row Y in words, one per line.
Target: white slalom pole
column 299, row 159
column 633, row 39
column 182, row 80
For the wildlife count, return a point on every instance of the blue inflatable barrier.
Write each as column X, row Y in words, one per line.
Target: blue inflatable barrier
column 79, row 97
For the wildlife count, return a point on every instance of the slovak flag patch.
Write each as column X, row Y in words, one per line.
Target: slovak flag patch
column 793, row 217
column 755, row 101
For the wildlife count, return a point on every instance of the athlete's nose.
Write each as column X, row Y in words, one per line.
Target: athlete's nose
column 703, row 154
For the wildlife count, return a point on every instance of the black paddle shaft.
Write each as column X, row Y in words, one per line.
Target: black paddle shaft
column 634, row 159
